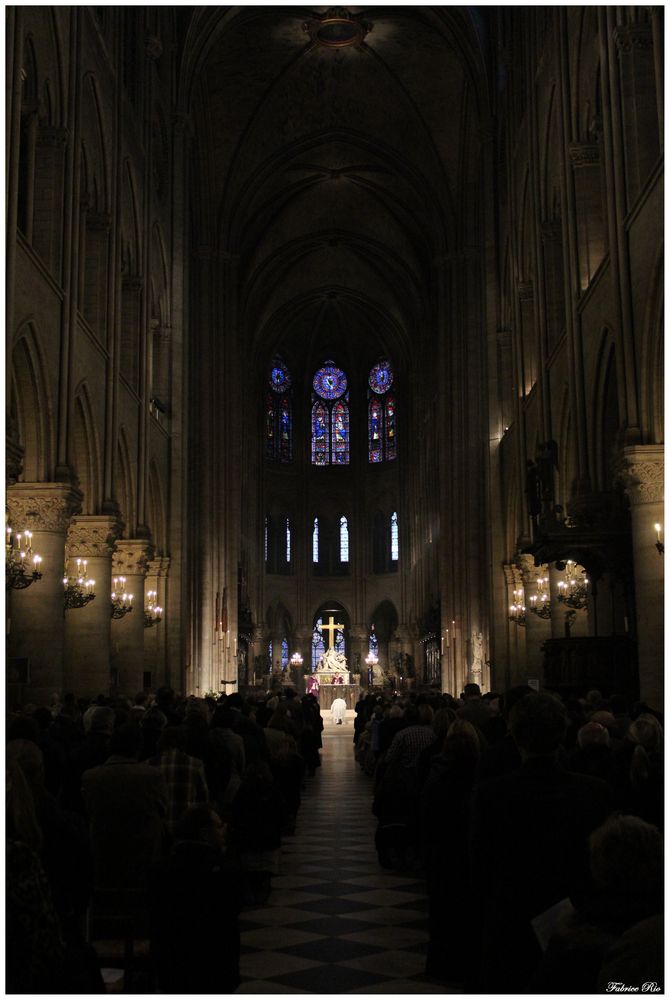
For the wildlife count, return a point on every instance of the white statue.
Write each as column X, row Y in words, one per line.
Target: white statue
column 332, row 660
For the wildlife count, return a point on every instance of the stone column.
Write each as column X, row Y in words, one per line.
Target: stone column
column 130, row 560
column 359, row 636
column 258, row 653
column 642, row 474
column 87, row 630
column 154, row 637
column 538, row 630
column 35, row 615
column 514, row 672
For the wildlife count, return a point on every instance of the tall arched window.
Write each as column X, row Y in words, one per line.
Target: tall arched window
column 373, row 644
column 318, row 645
column 315, row 541
column 344, row 540
column 339, row 642
column 284, row 654
column 288, row 540
column 279, row 414
column 330, row 416
column 265, row 538
column 394, row 537
column 381, row 414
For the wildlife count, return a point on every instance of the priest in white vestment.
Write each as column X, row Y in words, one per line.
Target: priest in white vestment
column 338, row 711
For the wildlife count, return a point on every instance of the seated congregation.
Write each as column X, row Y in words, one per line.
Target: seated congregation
column 536, row 824
column 538, row 827
column 157, row 821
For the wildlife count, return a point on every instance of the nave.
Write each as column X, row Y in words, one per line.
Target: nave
column 347, row 925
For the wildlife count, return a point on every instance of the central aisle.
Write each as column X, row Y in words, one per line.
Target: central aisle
column 336, row 922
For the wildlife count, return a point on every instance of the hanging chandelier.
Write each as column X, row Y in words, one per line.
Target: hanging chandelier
column 296, row 660
column 78, row 591
column 573, row 590
column 122, row 603
column 153, row 613
column 540, row 603
column 22, row 565
column 517, row 610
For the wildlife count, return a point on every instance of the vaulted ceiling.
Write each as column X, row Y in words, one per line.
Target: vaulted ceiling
column 335, row 175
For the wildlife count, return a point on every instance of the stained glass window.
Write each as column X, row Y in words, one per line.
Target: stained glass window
column 278, row 414
column 339, row 641
column 373, row 644
column 394, row 536
column 340, row 454
column 318, row 645
column 381, row 414
column 375, row 419
column 381, row 378
column 284, row 654
column 330, row 416
column 344, row 540
column 265, row 539
column 320, row 435
column 315, row 541
column 270, row 653
column 330, row 382
column 288, row 540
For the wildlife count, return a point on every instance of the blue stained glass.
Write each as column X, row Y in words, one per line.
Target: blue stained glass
column 279, row 377
column 330, row 382
column 318, row 645
column 381, row 378
column 394, row 537
column 339, row 642
column 315, row 541
column 373, row 645
column 340, row 434
column 320, row 434
column 284, row 654
column 344, row 540
column 288, row 540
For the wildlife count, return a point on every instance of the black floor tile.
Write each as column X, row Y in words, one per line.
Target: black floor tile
column 330, row 979
column 336, row 906
column 331, row 949
column 333, row 926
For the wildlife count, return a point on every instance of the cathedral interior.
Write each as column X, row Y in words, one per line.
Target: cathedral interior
column 458, row 211
column 334, row 328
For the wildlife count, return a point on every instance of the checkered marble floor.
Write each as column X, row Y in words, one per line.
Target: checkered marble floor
column 336, row 922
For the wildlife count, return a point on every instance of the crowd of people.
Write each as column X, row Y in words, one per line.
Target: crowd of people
column 537, row 824
column 157, row 817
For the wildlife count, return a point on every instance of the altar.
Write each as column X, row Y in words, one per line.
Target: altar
column 329, row 692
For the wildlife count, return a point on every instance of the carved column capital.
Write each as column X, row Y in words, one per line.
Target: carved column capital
column 584, row 154
column 159, row 567
column 42, row 506
column 91, row 536
column 528, row 570
column 513, row 575
column 131, row 557
column 640, row 471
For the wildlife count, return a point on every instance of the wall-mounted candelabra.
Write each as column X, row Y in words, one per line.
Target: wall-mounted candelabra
column 122, row 603
column 540, row 603
column 22, row 565
column 573, row 591
column 78, row 590
column 153, row 613
column 517, row 610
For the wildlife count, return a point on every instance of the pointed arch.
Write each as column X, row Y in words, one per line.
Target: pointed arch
column 125, row 485
column 86, row 451
column 31, row 406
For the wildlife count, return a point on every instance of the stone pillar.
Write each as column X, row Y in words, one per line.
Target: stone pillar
column 359, row 642
column 87, row 630
column 514, row 672
column 130, row 560
column 154, row 637
column 538, row 630
column 642, row 475
column 258, row 652
column 35, row 615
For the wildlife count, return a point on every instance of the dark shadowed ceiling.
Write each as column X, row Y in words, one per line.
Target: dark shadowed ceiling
column 336, row 176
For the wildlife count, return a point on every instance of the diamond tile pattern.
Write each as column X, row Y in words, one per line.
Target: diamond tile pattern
column 335, row 921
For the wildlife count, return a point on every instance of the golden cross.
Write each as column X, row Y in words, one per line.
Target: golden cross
column 331, row 628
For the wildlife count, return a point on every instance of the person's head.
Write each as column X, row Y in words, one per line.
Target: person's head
column 29, row 758
column 224, row 717
column 141, row 698
column 593, row 734
column 471, row 691
column 425, row 715
column 646, row 732
column 126, row 742
column 396, row 711
column 594, row 699
column 101, row 721
column 201, row 823
column 538, row 723
column 441, row 722
column 165, row 697
column 462, row 742
column 606, row 719
column 154, row 719
column 509, row 699
column 626, row 857
column 171, row 738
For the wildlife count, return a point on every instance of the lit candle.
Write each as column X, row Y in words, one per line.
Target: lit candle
column 658, row 529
